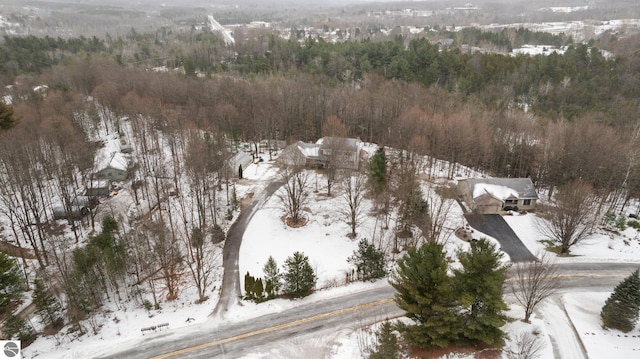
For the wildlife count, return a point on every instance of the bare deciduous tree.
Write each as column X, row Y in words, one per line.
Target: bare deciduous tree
column 295, row 180
column 571, row 218
column 528, row 345
column 335, row 151
column 532, row 282
column 354, row 192
column 439, row 202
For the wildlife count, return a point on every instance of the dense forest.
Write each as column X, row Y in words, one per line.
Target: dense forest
column 467, row 108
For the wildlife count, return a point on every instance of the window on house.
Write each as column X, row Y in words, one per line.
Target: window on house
column 526, row 202
column 511, row 201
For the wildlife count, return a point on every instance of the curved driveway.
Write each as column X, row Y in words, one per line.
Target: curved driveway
column 495, row 226
column 230, row 291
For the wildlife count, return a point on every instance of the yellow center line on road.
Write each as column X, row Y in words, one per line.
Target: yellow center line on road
column 274, row 328
column 330, row 314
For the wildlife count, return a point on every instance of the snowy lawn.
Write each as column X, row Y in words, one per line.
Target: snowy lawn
column 324, row 240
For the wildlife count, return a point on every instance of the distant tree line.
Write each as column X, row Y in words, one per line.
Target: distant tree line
column 568, row 86
column 595, row 147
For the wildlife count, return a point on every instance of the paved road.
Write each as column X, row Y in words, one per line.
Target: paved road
column 322, row 319
column 230, row 291
column 495, row 226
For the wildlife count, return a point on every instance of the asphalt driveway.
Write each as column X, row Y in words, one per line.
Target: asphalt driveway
column 495, row 226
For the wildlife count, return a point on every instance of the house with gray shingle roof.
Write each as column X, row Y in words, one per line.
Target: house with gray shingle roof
column 343, row 153
column 493, row 195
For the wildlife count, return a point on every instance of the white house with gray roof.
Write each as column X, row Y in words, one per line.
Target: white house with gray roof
column 493, row 195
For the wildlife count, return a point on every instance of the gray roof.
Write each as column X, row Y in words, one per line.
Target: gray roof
column 524, row 186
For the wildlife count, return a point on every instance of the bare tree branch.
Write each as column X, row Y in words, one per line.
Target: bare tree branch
column 532, row 282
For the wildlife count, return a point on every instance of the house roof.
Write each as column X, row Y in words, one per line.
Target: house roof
column 240, row 159
column 502, row 188
column 110, row 156
column 352, row 144
column 308, row 149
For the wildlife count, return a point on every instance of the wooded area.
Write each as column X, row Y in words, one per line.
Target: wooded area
column 464, row 108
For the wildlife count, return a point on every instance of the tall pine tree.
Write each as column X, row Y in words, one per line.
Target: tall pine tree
column 272, row 277
column 622, row 308
column 387, row 346
column 47, row 306
column 11, row 287
column 478, row 285
column 369, row 261
column 6, row 117
column 378, row 171
column 299, row 277
column 424, row 292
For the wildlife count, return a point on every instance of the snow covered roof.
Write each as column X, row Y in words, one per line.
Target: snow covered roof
column 110, row 156
column 502, row 188
column 308, row 149
column 240, row 159
column 347, row 143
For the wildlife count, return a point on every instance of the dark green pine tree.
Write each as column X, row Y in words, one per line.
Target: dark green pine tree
column 6, row 117
column 11, row 285
column 258, row 290
column 369, row 261
column 249, row 283
column 299, row 277
column 478, row 285
column 378, row 171
column 14, row 327
column 47, row 306
column 622, row 308
column 424, row 292
column 387, row 346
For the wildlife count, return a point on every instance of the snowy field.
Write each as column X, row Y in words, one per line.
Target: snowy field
column 324, row 240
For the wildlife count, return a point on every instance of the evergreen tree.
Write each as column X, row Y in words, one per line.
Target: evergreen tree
column 272, row 277
column 47, row 306
column 11, row 286
column 6, row 117
column 299, row 277
column 15, row 327
column 424, row 292
column 249, row 283
column 478, row 285
column 217, row 234
column 258, row 289
column 378, row 171
column 369, row 261
column 622, row 308
column 387, row 346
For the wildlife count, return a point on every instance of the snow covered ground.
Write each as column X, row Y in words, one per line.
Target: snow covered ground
column 324, row 240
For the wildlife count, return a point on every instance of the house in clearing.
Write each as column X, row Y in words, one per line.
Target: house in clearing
column 343, row 153
column 110, row 163
column 494, row 195
column 114, row 168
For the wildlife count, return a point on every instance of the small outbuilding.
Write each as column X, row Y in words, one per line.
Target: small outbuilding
column 494, row 195
column 97, row 188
